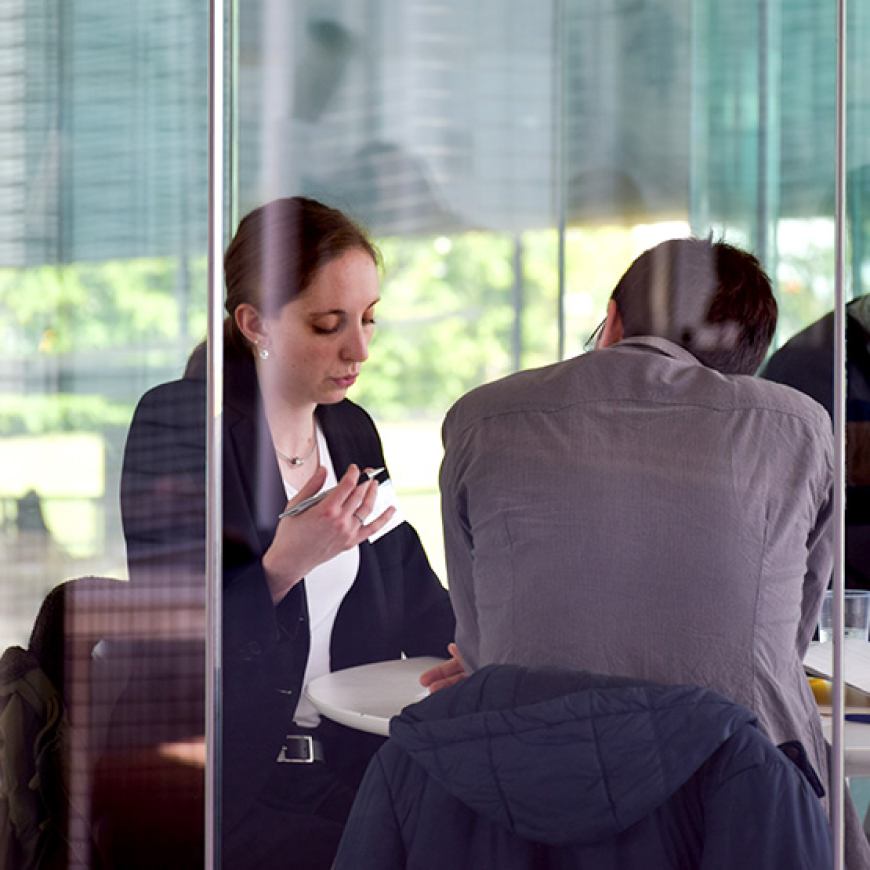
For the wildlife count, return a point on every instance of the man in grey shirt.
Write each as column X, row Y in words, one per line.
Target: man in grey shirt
column 650, row 509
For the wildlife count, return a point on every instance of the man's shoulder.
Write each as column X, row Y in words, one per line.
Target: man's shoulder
column 615, row 378
column 776, row 398
column 530, row 389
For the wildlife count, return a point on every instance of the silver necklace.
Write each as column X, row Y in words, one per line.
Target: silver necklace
column 296, row 461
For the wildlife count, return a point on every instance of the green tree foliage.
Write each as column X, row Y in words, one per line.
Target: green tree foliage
column 126, row 316
column 449, row 308
column 447, row 321
column 100, row 306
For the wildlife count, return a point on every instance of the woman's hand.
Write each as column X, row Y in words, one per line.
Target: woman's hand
column 447, row 674
column 335, row 524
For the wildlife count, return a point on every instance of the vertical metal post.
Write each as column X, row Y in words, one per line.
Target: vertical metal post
column 769, row 133
column 559, row 161
column 518, row 300
column 839, row 409
column 699, row 135
column 231, row 122
column 214, row 519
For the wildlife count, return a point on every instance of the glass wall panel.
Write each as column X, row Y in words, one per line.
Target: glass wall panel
column 512, row 159
column 433, row 124
column 509, row 160
column 857, row 146
column 102, row 295
column 857, row 511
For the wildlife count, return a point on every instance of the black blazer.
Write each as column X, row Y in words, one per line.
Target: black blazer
column 396, row 604
column 806, row 362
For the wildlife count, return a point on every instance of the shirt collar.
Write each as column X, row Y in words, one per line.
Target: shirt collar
column 660, row 345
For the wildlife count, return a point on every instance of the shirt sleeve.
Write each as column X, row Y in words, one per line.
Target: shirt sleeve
column 458, row 546
column 820, row 552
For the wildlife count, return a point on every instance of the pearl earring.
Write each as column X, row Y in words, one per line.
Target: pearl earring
column 263, row 352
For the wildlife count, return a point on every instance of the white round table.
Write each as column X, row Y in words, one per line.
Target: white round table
column 367, row 697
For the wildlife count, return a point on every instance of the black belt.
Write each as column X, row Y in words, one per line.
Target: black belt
column 301, row 749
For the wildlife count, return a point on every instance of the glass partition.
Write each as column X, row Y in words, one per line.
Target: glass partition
column 102, row 295
column 509, row 160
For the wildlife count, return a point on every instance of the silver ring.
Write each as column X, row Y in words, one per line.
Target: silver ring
column 362, row 522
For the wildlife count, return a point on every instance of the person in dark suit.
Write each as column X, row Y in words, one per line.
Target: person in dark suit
column 344, row 583
column 806, row 362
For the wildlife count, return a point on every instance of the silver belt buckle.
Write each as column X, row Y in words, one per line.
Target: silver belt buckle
column 306, row 740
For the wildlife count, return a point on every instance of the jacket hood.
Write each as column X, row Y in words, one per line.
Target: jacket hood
column 530, row 747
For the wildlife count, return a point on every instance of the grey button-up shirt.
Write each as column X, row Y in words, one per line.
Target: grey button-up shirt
column 633, row 512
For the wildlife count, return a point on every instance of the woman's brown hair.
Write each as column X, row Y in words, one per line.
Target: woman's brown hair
column 278, row 250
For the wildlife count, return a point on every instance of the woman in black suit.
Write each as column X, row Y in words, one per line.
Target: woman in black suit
column 305, row 594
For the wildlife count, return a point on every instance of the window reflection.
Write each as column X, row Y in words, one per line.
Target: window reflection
column 463, row 135
column 102, row 293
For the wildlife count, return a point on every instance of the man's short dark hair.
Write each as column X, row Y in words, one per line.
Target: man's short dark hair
column 709, row 297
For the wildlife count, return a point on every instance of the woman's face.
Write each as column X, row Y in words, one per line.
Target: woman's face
column 318, row 342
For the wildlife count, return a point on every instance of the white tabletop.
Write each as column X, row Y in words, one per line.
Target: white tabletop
column 857, row 749
column 856, row 654
column 856, row 658
column 367, row 697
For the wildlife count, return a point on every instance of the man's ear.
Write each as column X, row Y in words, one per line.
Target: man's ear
column 612, row 331
column 251, row 324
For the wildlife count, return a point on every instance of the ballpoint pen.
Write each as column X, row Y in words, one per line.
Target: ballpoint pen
column 310, row 502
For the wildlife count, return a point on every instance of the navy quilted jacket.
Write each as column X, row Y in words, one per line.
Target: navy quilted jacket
column 550, row 768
